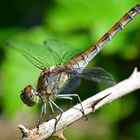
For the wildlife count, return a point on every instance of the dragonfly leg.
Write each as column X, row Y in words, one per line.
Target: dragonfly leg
column 73, row 95
column 59, row 109
column 51, row 109
column 43, row 111
column 67, row 98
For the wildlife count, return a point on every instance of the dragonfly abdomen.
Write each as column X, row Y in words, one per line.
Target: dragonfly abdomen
column 82, row 60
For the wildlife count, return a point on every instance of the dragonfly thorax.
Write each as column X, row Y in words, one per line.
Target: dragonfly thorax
column 52, row 81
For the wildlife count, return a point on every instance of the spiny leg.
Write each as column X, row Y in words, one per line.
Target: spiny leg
column 43, row 111
column 51, row 109
column 73, row 95
column 59, row 109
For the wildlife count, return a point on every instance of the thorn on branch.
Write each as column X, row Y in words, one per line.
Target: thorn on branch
column 134, row 72
column 99, row 100
column 59, row 134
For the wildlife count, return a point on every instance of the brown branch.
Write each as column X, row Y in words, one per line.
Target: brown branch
column 91, row 104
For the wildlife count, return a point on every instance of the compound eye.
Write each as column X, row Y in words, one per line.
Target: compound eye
column 29, row 96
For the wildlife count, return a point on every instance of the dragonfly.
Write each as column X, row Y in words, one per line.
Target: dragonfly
column 60, row 64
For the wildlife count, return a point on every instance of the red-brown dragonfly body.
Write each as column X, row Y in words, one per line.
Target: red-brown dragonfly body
column 88, row 55
column 53, row 80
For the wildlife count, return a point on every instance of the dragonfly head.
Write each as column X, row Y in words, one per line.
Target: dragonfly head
column 29, row 96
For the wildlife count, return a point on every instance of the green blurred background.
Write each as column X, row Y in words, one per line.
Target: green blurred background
column 80, row 23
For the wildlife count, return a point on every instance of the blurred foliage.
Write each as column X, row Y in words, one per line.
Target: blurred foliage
column 79, row 23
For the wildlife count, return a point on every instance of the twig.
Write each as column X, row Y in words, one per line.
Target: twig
column 91, row 104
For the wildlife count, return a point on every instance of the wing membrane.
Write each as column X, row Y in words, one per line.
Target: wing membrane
column 94, row 74
column 98, row 75
column 44, row 54
column 72, row 84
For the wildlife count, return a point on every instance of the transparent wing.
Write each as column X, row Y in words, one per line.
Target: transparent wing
column 33, row 52
column 44, row 54
column 72, row 84
column 61, row 51
column 98, row 75
column 94, row 74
